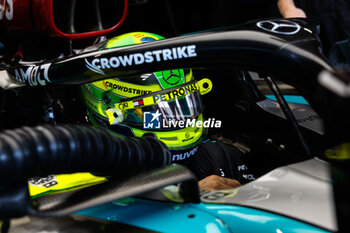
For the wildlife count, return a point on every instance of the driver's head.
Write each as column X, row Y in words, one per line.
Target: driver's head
column 145, row 104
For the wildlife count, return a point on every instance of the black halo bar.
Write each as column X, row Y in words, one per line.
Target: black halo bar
column 293, row 59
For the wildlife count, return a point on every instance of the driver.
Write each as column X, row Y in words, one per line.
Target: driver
column 167, row 105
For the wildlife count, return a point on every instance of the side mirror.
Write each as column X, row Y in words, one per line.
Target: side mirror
column 69, row 19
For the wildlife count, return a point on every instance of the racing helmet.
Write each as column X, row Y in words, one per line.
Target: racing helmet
column 166, row 104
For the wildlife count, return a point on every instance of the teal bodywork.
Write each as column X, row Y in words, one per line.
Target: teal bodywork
column 297, row 99
column 173, row 217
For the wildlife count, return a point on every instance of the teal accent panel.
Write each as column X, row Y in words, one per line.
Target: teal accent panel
column 290, row 99
column 158, row 216
column 243, row 220
column 173, row 217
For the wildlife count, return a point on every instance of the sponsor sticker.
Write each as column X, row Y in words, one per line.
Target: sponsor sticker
column 122, row 106
column 218, row 194
column 97, row 65
column 138, row 103
column 47, row 181
column 175, row 93
column 184, row 155
column 6, row 9
column 34, row 75
column 279, row 26
column 125, row 89
column 147, row 39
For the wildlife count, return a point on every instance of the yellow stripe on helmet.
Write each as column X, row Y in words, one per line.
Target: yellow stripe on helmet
column 127, row 90
column 203, row 86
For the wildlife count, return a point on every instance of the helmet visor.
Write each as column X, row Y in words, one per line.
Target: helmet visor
column 183, row 108
column 165, row 107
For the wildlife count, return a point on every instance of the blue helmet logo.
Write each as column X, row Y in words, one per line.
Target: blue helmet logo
column 147, row 39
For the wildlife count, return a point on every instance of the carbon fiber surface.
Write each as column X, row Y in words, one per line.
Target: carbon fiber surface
column 69, row 202
column 70, row 224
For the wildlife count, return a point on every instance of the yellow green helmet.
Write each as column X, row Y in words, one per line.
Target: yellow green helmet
column 166, row 104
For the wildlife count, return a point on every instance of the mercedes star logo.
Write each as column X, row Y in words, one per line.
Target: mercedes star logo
column 279, row 26
column 170, row 80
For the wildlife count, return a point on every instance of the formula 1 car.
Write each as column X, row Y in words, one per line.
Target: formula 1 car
column 255, row 68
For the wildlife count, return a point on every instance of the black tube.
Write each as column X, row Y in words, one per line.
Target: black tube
column 27, row 152
column 98, row 15
column 71, row 27
column 287, row 113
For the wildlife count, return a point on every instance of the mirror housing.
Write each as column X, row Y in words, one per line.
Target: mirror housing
column 68, row 19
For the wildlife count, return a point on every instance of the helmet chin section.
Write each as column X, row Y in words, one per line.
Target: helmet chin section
column 181, row 142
